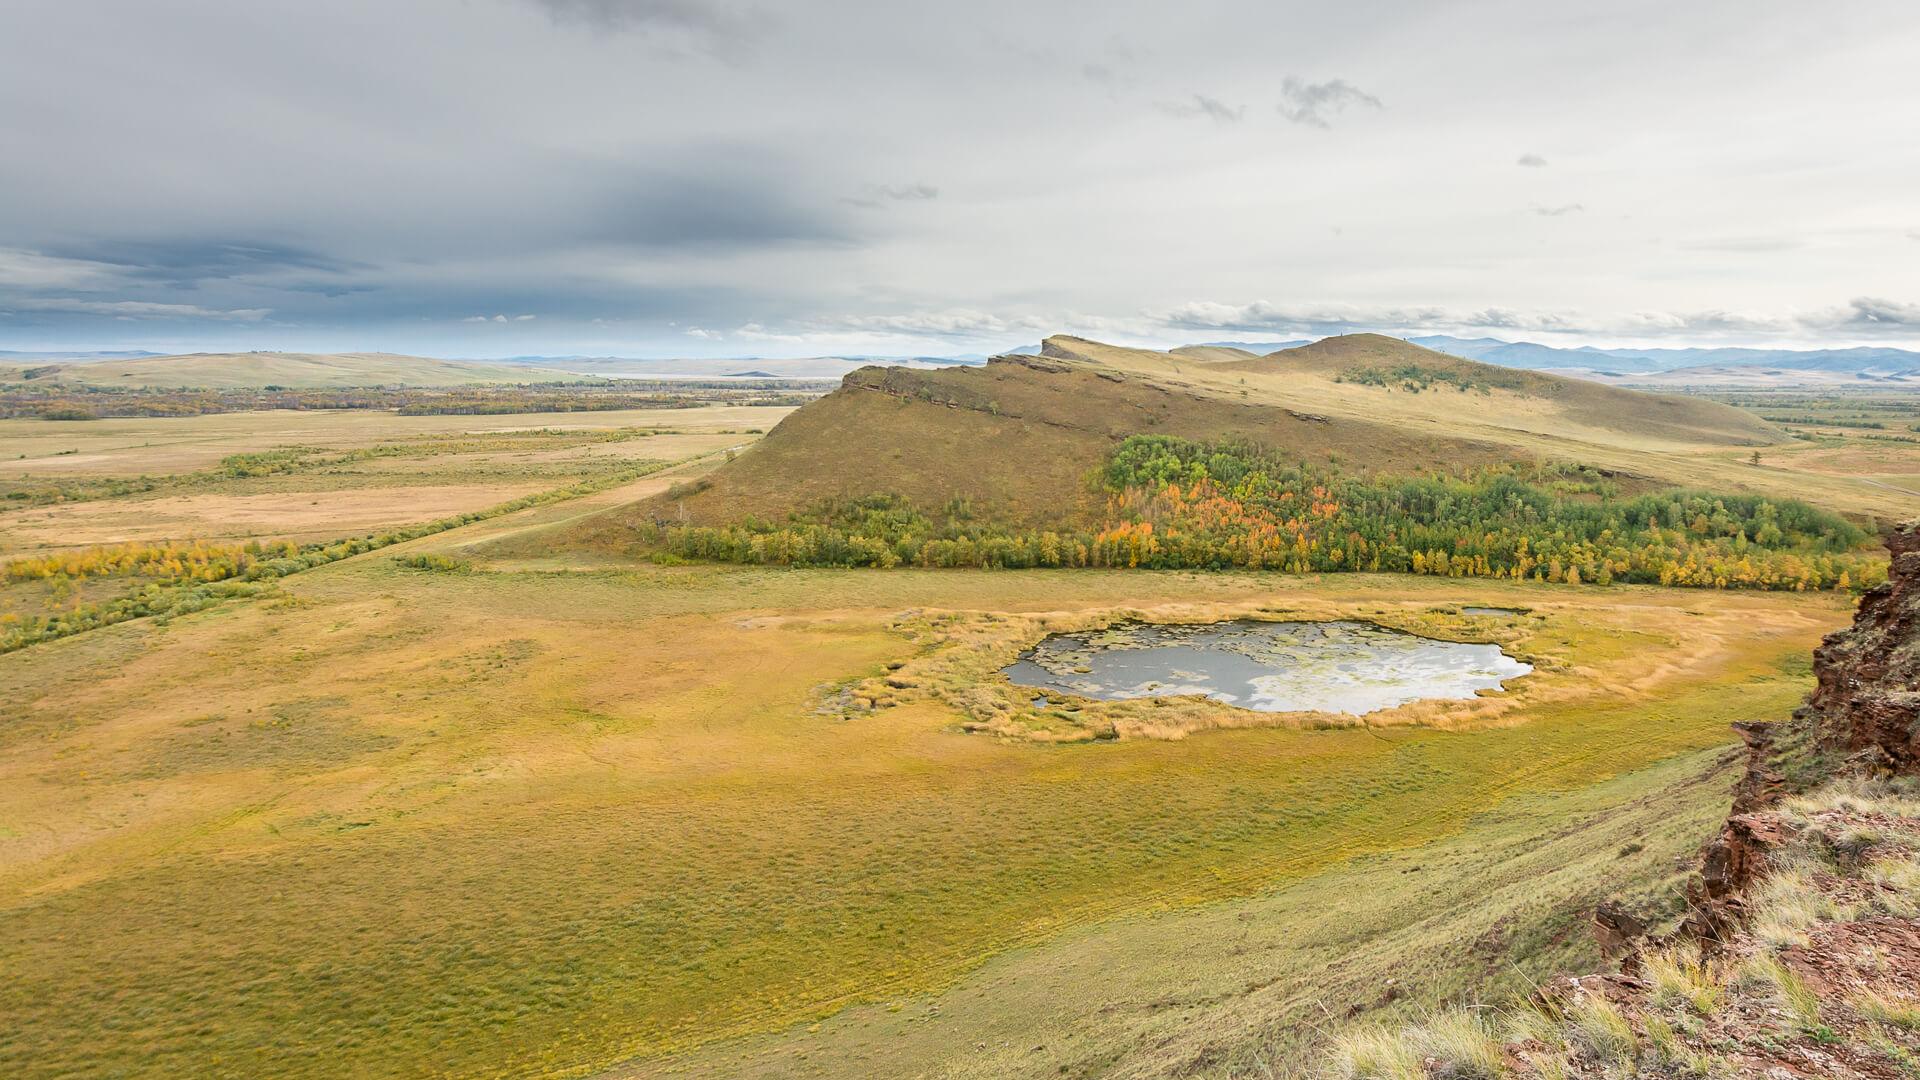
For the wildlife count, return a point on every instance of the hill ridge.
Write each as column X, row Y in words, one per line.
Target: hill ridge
column 1022, row 438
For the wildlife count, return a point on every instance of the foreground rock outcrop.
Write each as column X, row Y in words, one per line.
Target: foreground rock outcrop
column 1801, row 957
column 1867, row 703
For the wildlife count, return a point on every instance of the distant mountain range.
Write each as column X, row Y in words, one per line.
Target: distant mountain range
column 1649, row 366
column 1526, row 354
column 10, row 356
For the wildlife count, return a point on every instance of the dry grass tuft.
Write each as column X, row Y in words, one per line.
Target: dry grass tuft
column 1788, row 988
column 1681, row 977
column 1599, row 1030
column 1459, row 1044
column 1882, row 1009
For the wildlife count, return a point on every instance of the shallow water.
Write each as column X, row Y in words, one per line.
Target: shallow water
column 1491, row 611
column 1346, row 667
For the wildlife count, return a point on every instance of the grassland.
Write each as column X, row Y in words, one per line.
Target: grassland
column 498, row 802
column 1248, row 988
column 389, row 817
column 302, row 370
column 1851, row 436
column 311, row 476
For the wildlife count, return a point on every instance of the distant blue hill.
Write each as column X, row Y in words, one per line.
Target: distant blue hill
column 1258, row 348
column 78, row 357
column 1526, row 354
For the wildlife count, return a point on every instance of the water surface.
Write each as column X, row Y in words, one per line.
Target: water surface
column 1346, row 667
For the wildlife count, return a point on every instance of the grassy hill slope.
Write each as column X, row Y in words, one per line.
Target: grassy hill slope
column 1021, row 438
column 1577, row 402
column 232, row 371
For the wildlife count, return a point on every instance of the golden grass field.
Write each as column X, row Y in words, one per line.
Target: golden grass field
column 528, row 820
column 432, row 466
column 303, row 370
column 548, row 811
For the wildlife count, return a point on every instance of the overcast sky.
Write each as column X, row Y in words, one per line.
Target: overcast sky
column 684, row 177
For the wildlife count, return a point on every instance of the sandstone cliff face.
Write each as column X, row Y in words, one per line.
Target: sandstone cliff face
column 1867, row 705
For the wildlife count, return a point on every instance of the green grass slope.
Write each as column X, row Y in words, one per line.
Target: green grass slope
column 303, row 371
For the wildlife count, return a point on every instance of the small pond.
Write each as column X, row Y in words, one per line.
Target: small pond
column 1346, row 667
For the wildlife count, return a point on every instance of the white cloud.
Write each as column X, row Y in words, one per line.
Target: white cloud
column 1561, row 210
column 1532, row 161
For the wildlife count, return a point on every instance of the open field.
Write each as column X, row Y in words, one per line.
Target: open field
column 1859, row 436
column 382, row 819
column 310, row 476
column 253, row 369
column 1248, row 987
column 164, row 445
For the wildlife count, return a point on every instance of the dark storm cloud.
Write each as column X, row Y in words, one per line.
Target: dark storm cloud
column 1315, row 104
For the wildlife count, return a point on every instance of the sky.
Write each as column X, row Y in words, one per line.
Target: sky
column 664, row 178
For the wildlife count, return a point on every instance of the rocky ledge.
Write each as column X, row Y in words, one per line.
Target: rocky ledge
column 1801, row 957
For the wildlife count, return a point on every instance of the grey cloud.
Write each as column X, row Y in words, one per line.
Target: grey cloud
column 135, row 309
column 542, row 158
column 1323, row 319
column 1260, row 316
column 700, row 199
column 1532, row 161
column 1314, row 103
column 1561, row 210
column 1876, row 313
column 187, row 261
column 676, row 25
column 1203, row 106
column 24, row 269
column 877, row 195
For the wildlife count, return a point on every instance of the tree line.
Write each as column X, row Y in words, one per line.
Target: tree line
column 1177, row 504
